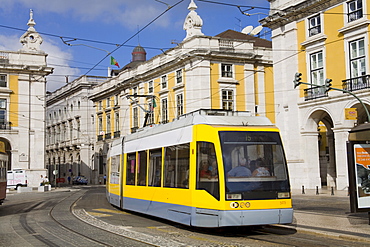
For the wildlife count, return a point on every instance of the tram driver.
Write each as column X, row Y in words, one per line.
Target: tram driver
column 241, row 170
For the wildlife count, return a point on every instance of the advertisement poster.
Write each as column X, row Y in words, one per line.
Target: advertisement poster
column 362, row 171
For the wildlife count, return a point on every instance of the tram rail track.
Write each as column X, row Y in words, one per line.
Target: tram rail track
column 91, row 235
column 68, row 219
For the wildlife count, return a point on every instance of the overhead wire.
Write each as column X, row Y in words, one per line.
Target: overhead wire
column 277, row 61
column 139, row 31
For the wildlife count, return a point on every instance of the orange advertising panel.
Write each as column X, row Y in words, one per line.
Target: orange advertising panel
column 363, row 156
column 362, row 171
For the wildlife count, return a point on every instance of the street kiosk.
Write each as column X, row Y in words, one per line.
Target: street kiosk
column 358, row 153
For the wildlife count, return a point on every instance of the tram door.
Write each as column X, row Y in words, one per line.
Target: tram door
column 207, row 169
column 155, row 167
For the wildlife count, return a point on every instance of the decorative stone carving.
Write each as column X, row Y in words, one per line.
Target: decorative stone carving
column 193, row 23
column 31, row 40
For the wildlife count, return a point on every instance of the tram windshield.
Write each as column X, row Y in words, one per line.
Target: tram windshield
column 254, row 165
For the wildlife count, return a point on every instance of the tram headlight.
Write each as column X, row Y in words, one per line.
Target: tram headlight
column 283, row 195
column 234, row 196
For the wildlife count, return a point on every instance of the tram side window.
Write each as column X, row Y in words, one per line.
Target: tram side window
column 176, row 166
column 115, row 163
column 142, row 165
column 155, row 167
column 207, row 169
column 114, row 170
column 130, row 169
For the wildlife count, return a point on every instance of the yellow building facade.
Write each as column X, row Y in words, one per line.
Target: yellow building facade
column 229, row 71
column 322, row 40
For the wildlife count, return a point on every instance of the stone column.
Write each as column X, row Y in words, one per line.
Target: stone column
column 331, row 172
column 341, row 137
column 311, row 166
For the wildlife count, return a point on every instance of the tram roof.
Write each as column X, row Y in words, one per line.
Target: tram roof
column 204, row 116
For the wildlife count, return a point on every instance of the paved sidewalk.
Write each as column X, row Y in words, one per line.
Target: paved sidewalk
column 327, row 218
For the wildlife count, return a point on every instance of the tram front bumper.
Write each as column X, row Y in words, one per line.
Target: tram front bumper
column 216, row 218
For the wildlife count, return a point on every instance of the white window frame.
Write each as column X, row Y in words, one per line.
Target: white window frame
column 317, row 68
column 108, row 120
column 135, row 117
column 3, row 107
column 179, row 77
column 164, row 82
column 70, row 125
column 100, row 124
column 3, row 80
column 357, row 58
column 314, row 25
column 180, row 104
column 150, row 119
column 116, row 121
column 228, row 101
column 227, row 70
column 116, row 98
column 164, row 110
column 150, row 87
column 108, row 102
column 354, row 12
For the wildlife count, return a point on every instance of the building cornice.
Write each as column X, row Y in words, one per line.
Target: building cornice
column 281, row 17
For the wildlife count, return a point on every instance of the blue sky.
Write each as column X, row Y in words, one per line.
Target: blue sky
column 98, row 25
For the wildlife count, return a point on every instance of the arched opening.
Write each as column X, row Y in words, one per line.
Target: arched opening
column 72, row 168
column 101, row 161
column 361, row 113
column 322, row 122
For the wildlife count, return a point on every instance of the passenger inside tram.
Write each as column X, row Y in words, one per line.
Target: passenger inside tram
column 241, row 170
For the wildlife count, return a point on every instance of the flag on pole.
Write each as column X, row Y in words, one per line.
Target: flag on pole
column 113, row 61
column 153, row 105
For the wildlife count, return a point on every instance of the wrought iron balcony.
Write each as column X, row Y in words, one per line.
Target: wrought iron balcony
column 108, row 136
column 314, row 93
column 117, row 134
column 5, row 125
column 100, row 137
column 356, row 83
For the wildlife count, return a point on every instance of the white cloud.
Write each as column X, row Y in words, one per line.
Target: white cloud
column 126, row 13
column 57, row 59
column 10, row 43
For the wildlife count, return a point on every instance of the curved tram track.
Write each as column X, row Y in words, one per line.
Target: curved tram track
column 62, row 214
column 47, row 220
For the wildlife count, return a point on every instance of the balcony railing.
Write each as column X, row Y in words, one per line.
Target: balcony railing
column 314, row 93
column 117, row 134
column 356, row 83
column 4, row 58
column 100, row 137
column 108, row 136
column 5, row 126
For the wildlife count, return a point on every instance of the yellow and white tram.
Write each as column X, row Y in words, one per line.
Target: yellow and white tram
column 186, row 171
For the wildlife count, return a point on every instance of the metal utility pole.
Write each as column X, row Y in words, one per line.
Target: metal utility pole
column 328, row 86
